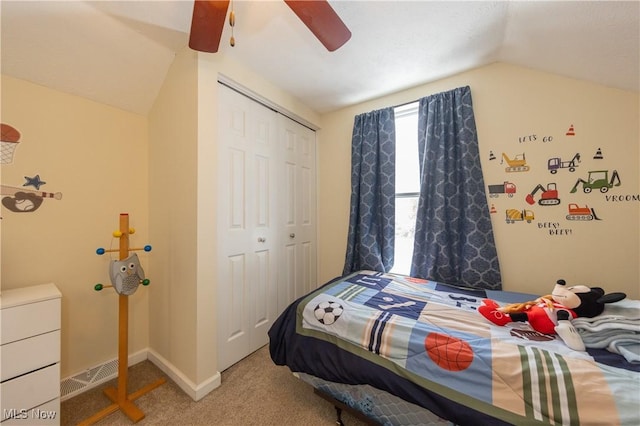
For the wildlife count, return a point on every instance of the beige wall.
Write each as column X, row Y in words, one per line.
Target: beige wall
column 511, row 102
column 172, row 199
column 96, row 156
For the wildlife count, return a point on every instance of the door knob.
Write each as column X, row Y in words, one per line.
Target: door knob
column 262, row 239
column 292, row 235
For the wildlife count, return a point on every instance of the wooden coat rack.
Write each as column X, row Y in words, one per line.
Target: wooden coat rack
column 118, row 395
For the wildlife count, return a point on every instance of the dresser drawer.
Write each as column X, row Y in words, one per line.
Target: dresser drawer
column 26, row 355
column 30, row 391
column 30, row 319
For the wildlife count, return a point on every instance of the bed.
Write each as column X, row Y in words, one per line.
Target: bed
column 371, row 337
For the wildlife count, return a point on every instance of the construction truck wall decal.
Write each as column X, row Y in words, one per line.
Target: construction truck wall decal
column 581, row 213
column 556, row 163
column 549, row 196
column 517, row 164
column 598, row 179
column 515, row 215
column 504, row 188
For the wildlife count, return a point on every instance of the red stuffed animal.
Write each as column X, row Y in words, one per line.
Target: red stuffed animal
column 551, row 314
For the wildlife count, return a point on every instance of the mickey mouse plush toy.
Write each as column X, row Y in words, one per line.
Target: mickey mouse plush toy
column 551, row 314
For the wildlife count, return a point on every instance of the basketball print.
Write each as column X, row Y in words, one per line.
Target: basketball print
column 9, row 140
column 9, row 133
column 449, row 353
column 328, row 312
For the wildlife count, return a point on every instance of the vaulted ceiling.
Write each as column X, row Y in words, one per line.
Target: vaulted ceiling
column 118, row 52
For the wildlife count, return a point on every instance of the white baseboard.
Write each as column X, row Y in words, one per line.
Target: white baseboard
column 92, row 377
column 195, row 392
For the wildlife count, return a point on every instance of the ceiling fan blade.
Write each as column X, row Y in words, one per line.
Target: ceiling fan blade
column 323, row 22
column 207, row 24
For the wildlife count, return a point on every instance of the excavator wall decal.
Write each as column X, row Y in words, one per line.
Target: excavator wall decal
column 598, row 179
column 549, row 195
column 517, row 164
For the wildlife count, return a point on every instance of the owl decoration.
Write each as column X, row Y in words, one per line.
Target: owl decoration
column 126, row 274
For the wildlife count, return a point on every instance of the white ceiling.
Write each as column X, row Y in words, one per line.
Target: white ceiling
column 118, row 52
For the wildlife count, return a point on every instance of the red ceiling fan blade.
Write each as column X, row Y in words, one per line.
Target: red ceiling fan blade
column 207, row 24
column 323, row 22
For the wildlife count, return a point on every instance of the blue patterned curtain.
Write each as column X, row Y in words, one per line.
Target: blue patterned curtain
column 454, row 239
column 372, row 216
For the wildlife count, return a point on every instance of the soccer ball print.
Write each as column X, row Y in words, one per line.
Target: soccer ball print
column 328, row 312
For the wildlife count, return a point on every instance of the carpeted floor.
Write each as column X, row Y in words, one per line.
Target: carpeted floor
column 254, row 391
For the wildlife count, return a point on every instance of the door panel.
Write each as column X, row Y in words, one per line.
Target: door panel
column 247, row 290
column 298, row 211
column 266, row 221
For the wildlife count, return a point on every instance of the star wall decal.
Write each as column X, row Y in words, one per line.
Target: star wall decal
column 34, row 181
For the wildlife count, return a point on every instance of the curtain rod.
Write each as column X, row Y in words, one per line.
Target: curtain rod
column 406, row 103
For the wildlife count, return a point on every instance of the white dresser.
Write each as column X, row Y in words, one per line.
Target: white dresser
column 30, row 355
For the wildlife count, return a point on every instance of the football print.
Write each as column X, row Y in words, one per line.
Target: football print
column 328, row 312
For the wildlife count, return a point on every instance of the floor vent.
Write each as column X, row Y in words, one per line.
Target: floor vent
column 92, row 377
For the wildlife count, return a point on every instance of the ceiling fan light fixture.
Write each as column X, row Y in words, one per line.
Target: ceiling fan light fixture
column 232, row 23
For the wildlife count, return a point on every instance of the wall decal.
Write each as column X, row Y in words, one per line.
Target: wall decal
column 593, row 175
column 21, row 200
column 9, row 140
column 549, row 195
column 556, row 163
column 598, row 155
column 571, row 131
column 34, row 181
column 517, row 164
column 581, row 213
column 598, row 179
column 503, row 188
column 619, row 198
column 553, row 228
column 535, row 138
column 515, row 215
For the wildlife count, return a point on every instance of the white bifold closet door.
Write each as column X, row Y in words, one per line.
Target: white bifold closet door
column 266, row 238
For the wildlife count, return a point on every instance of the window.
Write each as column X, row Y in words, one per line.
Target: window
column 407, row 185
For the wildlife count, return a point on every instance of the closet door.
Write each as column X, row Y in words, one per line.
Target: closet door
column 247, row 219
column 297, row 211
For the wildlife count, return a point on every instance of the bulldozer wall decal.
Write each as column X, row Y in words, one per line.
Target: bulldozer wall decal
column 581, row 213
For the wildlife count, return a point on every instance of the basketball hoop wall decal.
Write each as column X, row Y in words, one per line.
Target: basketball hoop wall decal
column 10, row 138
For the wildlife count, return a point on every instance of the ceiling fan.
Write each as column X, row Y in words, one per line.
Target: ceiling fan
column 209, row 17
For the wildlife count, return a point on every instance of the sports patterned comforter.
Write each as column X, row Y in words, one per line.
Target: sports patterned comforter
column 425, row 342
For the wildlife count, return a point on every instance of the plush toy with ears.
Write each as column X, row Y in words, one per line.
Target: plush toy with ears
column 552, row 314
